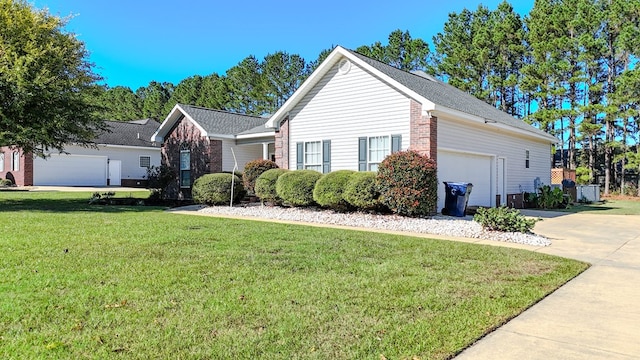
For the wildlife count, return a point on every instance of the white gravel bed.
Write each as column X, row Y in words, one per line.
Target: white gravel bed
column 438, row 225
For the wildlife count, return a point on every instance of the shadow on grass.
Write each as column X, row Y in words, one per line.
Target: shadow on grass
column 67, row 205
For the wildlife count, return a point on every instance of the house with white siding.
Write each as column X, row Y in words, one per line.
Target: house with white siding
column 120, row 156
column 197, row 141
column 353, row 111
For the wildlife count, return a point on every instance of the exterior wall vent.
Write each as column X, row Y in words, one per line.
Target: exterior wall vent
column 344, row 66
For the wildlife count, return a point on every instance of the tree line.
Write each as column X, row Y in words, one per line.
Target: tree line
column 568, row 67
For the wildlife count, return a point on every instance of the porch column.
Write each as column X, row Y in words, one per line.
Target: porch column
column 265, row 151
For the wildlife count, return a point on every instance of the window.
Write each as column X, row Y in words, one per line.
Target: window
column 378, row 150
column 145, row 161
column 372, row 150
column 314, row 155
column 15, row 161
column 185, row 168
column 1, row 161
column 526, row 159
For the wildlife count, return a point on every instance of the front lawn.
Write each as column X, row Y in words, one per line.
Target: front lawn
column 80, row 281
column 610, row 206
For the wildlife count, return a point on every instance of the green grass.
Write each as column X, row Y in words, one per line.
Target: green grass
column 80, row 281
column 608, row 207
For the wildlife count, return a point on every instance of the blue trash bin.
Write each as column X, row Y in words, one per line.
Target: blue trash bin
column 456, row 198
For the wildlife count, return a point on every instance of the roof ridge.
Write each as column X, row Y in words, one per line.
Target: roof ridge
column 220, row 111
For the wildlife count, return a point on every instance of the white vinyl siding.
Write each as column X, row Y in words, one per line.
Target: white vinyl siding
column 342, row 108
column 244, row 154
column 489, row 139
column 130, row 158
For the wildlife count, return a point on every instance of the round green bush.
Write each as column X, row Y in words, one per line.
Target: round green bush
column 408, row 183
column 296, row 187
column 362, row 191
column 215, row 189
column 265, row 187
column 329, row 189
column 252, row 170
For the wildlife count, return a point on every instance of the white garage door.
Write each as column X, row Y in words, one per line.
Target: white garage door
column 469, row 168
column 70, row 170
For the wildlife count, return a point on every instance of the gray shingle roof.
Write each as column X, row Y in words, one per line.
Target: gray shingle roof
column 129, row 133
column 448, row 96
column 216, row 122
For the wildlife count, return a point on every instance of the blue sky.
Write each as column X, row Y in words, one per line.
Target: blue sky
column 135, row 41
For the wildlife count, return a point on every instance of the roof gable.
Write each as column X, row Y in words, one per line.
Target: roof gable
column 211, row 123
column 435, row 96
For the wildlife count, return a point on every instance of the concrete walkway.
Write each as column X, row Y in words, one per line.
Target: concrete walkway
column 594, row 316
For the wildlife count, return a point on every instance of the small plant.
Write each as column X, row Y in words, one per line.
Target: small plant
column 408, row 183
column 159, row 178
column 215, row 189
column 550, row 198
column 253, row 170
column 362, row 191
column 503, row 219
column 265, row 187
column 5, row 183
column 330, row 188
column 296, row 187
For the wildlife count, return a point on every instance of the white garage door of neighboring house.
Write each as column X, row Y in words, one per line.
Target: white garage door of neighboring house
column 469, row 168
column 70, row 170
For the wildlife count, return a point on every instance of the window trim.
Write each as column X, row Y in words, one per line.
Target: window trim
column 146, row 157
column 1, row 161
column 369, row 161
column 527, row 163
column 185, row 169
column 323, row 156
column 364, row 160
column 15, row 161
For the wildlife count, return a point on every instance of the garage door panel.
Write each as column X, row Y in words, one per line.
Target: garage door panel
column 70, row 170
column 469, row 168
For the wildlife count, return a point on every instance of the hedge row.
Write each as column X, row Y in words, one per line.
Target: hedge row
column 405, row 183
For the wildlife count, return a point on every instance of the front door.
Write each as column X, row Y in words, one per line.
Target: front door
column 115, row 167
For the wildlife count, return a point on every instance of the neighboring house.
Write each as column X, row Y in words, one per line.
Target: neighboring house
column 121, row 157
column 197, row 141
column 353, row 111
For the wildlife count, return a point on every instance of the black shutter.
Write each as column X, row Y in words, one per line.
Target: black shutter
column 299, row 155
column 396, row 143
column 326, row 156
column 362, row 154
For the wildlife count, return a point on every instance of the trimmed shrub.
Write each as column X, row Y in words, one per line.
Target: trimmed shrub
column 329, row 189
column 503, row 219
column 252, row 170
column 408, row 183
column 296, row 187
column 215, row 189
column 362, row 191
column 265, row 187
column 6, row 182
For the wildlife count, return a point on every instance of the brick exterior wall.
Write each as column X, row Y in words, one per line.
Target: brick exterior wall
column 22, row 177
column 206, row 155
column 282, row 144
column 423, row 132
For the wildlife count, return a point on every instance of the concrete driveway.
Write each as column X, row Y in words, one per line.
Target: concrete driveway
column 594, row 316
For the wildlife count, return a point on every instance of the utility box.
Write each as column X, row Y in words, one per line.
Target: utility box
column 588, row 192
